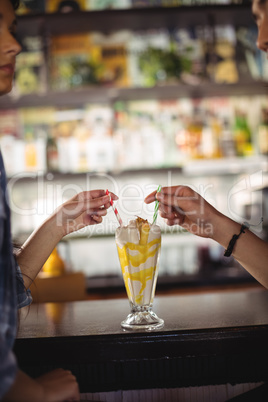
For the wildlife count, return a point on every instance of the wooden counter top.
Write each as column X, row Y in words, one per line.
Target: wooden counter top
column 211, row 338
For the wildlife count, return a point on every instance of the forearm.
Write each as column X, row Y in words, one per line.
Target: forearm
column 37, row 249
column 24, row 389
column 249, row 250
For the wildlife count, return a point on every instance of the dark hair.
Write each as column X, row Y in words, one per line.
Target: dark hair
column 15, row 4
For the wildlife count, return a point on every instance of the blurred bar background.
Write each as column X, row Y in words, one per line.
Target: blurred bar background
column 127, row 95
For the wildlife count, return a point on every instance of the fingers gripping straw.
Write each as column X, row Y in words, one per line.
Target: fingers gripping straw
column 156, row 205
column 115, row 209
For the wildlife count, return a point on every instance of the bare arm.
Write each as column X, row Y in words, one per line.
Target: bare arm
column 183, row 206
column 56, row 386
column 86, row 208
column 249, row 250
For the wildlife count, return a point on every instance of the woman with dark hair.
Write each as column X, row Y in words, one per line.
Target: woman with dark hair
column 16, row 274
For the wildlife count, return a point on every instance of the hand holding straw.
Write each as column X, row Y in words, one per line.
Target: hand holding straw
column 156, row 205
column 115, row 209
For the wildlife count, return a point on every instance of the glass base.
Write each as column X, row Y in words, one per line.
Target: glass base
column 142, row 320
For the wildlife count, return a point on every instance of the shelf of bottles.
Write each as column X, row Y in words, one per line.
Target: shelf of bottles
column 228, row 132
column 135, row 98
column 134, row 50
column 61, row 6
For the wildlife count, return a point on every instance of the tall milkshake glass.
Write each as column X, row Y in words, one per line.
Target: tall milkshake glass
column 139, row 246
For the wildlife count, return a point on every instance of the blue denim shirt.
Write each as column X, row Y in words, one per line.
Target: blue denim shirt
column 12, row 291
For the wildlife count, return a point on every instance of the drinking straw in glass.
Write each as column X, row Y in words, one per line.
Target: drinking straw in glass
column 115, row 209
column 156, row 205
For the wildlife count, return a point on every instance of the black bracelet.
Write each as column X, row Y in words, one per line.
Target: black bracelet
column 231, row 245
column 233, row 240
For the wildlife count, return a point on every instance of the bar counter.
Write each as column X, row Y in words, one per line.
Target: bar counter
column 210, row 338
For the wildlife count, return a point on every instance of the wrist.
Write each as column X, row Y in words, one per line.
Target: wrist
column 25, row 388
column 55, row 227
column 224, row 229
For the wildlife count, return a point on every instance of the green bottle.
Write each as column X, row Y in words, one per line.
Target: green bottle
column 242, row 135
column 263, row 133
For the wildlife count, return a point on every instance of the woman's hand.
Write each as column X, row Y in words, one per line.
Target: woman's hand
column 183, row 206
column 85, row 208
column 59, row 385
column 56, row 386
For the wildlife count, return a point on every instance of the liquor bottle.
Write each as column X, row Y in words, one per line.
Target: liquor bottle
column 242, row 135
column 100, row 147
column 152, row 141
column 227, row 144
column 193, row 132
column 81, row 138
column 54, row 265
column 211, row 133
column 263, row 133
column 52, row 155
column 30, row 150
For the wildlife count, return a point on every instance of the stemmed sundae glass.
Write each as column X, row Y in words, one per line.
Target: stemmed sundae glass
column 139, row 245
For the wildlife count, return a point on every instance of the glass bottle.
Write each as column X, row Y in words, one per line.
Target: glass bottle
column 263, row 132
column 242, row 135
column 54, row 265
column 30, row 151
column 52, row 155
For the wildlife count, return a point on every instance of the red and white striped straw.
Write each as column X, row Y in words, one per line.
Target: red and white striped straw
column 115, row 209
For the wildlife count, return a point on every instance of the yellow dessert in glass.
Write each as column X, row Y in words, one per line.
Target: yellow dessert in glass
column 139, row 245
